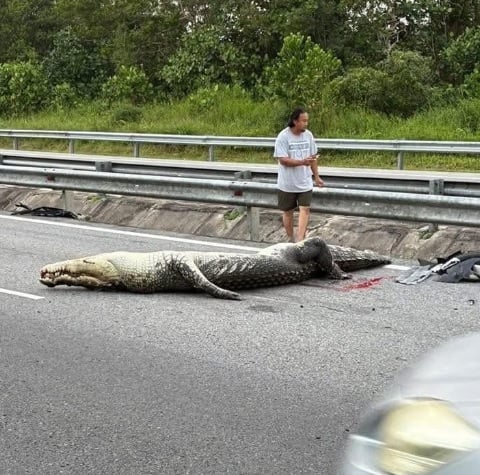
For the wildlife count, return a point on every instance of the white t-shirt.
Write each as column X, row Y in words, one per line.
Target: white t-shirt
column 294, row 179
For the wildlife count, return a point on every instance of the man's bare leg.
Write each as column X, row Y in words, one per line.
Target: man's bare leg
column 288, row 224
column 303, row 218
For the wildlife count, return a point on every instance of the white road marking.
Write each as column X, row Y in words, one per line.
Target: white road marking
column 153, row 236
column 21, row 294
column 131, row 233
column 396, row 267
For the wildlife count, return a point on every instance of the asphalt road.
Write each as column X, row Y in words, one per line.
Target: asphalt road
column 118, row 383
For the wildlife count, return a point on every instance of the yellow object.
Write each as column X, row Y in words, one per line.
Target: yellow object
column 421, row 435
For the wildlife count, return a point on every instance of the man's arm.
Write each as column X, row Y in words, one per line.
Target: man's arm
column 292, row 162
column 316, row 177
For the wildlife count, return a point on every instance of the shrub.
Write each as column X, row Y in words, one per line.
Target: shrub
column 125, row 113
column 408, row 88
column 23, row 88
column 399, row 85
column 446, row 95
column 128, row 84
column 63, row 96
column 301, row 71
column 469, row 112
column 204, row 98
column 472, row 83
column 364, row 87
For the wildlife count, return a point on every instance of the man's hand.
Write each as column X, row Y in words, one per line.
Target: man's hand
column 319, row 181
column 309, row 161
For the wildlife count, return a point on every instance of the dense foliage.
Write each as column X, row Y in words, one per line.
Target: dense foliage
column 392, row 57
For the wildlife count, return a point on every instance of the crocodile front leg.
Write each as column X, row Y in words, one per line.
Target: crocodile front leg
column 194, row 277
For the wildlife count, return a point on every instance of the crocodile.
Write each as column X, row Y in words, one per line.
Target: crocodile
column 217, row 274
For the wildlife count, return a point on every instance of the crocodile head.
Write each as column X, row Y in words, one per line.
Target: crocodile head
column 91, row 272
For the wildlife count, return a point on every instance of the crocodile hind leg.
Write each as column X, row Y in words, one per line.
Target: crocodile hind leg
column 316, row 249
column 337, row 273
column 193, row 276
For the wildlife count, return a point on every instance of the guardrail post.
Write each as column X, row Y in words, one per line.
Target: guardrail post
column 16, row 143
column 103, row 166
column 67, row 200
column 71, row 146
column 253, row 212
column 253, row 221
column 400, row 160
column 211, row 153
column 136, row 149
column 436, row 187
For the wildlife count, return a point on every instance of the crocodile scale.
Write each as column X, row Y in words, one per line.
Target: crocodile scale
column 218, row 274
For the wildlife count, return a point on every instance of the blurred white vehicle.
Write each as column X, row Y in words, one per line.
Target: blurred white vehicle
column 429, row 422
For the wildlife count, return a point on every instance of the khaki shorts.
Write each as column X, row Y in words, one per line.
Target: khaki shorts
column 288, row 201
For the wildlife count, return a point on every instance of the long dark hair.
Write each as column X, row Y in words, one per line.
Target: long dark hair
column 295, row 115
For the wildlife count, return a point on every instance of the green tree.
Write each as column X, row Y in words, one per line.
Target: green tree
column 234, row 30
column 73, row 62
column 433, row 24
column 376, row 27
column 257, row 28
column 23, row 88
column 399, row 85
column 140, row 33
column 26, row 29
column 204, row 58
column 301, row 71
column 323, row 21
column 410, row 79
column 462, row 55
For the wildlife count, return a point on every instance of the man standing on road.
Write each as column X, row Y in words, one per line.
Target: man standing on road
column 296, row 152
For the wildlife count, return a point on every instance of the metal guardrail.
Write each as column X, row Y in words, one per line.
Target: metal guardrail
column 450, row 184
column 400, row 147
column 374, row 204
